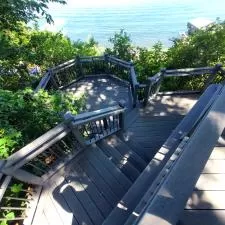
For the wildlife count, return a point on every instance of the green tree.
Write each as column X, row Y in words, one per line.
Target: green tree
column 121, row 46
column 25, row 115
column 149, row 61
column 13, row 12
column 202, row 48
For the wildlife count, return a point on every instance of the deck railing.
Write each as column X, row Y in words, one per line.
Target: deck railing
column 17, row 200
column 39, row 160
column 154, row 83
column 166, row 197
column 65, row 74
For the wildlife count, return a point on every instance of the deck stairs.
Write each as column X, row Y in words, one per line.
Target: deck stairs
column 123, row 152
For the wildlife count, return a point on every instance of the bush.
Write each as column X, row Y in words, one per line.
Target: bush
column 202, row 48
column 148, row 62
column 121, row 46
column 20, row 51
column 25, row 115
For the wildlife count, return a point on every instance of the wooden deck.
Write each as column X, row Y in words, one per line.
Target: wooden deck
column 87, row 189
column 206, row 205
column 102, row 91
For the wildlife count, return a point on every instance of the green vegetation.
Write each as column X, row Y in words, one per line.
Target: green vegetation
column 25, row 115
column 14, row 12
column 202, row 48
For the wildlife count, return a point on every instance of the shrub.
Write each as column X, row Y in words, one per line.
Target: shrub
column 25, row 115
column 149, row 61
column 202, row 48
column 121, row 46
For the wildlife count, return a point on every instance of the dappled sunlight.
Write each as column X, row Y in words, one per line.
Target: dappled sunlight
column 170, row 105
column 101, row 91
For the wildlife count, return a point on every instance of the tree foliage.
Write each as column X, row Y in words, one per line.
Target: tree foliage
column 13, row 12
column 202, row 48
column 121, row 46
column 25, row 115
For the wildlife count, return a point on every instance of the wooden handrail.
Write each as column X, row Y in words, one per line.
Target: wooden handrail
column 100, row 123
column 64, row 74
column 153, row 83
column 39, row 160
column 38, row 145
column 178, row 177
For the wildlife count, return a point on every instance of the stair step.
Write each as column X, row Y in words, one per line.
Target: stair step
column 137, row 148
column 96, row 161
column 96, row 195
column 120, row 161
column 99, row 180
column 110, row 166
column 131, row 156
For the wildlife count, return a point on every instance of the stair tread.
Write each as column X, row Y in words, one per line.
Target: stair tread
column 119, row 176
column 125, row 150
column 120, row 161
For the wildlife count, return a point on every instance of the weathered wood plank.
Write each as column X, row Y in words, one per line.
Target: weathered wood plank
column 66, row 190
column 211, row 182
column 206, row 217
column 100, row 183
column 120, row 177
column 206, row 200
column 120, row 161
column 132, row 157
column 215, row 166
column 92, row 190
column 104, row 173
column 87, row 203
column 218, row 153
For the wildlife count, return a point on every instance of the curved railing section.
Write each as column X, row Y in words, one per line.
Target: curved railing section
column 40, row 159
column 154, row 83
column 65, row 74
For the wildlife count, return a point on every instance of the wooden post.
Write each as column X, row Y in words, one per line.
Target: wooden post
column 134, row 84
column 163, row 71
column 53, row 81
column 215, row 70
column 107, row 64
column 70, row 119
column 122, row 115
column 78, row 62
column 147, row 91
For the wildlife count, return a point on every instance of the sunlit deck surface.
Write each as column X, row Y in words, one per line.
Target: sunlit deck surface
column 102, row 91
column 86, row 189
column 206, row 205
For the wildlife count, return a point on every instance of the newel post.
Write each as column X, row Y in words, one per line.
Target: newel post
column 107, row 63
column 122, row 115
column 79, row 65
column 215, row 70
column 70, row 119
column 163, row 72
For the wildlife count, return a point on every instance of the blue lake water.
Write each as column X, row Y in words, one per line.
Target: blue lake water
column 147, row 21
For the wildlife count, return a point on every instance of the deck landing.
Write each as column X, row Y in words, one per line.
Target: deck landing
column 87, row 189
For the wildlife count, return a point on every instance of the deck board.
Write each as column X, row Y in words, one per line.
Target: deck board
column 87, row 189
column 119, row 160
column 206, row 205
column 99, row 182
column 101, row 92
column 97, row 196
